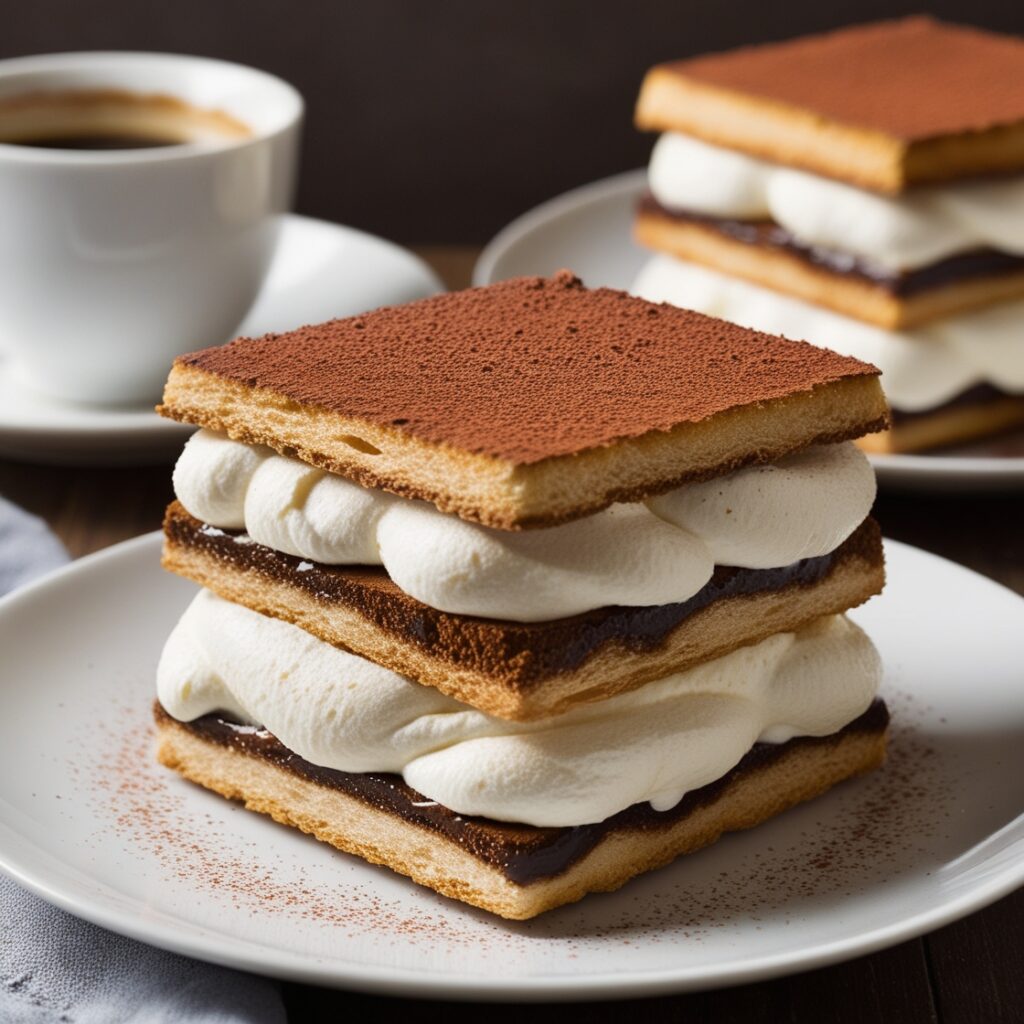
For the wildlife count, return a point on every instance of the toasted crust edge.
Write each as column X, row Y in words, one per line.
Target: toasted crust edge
column 514, row 497
column 942, row 427
column 438, row 863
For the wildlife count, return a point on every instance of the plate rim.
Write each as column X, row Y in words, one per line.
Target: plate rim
column 525, row 223
column 916, row 465
column 910, row 471
column 139, row 424
column 188, row 939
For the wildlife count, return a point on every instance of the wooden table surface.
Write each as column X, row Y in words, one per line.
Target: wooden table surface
column 971, row 972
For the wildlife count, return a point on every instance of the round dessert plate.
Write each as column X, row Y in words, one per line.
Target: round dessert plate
column 89, row 821
column 589, row 230
column 320, row 270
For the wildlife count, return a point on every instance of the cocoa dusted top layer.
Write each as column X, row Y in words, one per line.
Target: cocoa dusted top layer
column 529, row 368
column 911, row 79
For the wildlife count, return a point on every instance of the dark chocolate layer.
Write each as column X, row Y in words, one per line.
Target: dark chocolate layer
column 520, row 654
column 980, row 394
column 960, row 267
column 523, row 853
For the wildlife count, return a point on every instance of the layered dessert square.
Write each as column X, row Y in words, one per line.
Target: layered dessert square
column 864, row 188
column 522, row 590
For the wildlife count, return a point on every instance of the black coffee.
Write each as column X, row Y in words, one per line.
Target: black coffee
column 110, row 119
column 97, row 142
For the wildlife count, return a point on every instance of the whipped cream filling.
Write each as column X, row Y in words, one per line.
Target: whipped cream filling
column 653, row 744
column 896, row 233
column 921, row 368
column 661, row 552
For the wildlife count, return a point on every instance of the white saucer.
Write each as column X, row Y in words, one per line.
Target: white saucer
column 91, row 823
column 589, row 230
column 321, row 270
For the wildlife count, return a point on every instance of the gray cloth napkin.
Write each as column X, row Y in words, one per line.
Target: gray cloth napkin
column 56, row 968
column 27, row 547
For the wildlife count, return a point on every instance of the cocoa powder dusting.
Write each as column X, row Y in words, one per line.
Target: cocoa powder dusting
column 914, row 78
column 146, row 805
column 852, row 841
column 528, row 369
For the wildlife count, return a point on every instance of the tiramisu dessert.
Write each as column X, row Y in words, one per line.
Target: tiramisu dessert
column 862, row 188
column 522, row 590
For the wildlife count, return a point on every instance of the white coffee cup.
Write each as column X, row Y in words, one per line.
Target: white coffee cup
column 112, row 262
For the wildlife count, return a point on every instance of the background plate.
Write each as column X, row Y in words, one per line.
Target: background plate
column 589, row 230
column 90, row 822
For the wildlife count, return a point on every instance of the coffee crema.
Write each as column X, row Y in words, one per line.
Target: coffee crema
column 111, row 119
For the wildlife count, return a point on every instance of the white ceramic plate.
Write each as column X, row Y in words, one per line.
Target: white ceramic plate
column 589, row 230
column 90, row 822
column 320, row 270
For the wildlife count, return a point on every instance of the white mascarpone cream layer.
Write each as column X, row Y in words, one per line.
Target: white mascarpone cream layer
column 921, row 368
column 899, row 233
column 661, row 552
column 653, row 744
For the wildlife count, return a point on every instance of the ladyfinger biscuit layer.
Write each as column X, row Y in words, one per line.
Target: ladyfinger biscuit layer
column 758, row 251
column 515, row 871
column 515, row 670
column 883, row 106
column 530, row 402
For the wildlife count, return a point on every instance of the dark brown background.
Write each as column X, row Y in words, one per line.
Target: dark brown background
column 440, row 121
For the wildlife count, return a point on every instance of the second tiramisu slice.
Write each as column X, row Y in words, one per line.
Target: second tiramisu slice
column 863, row 189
